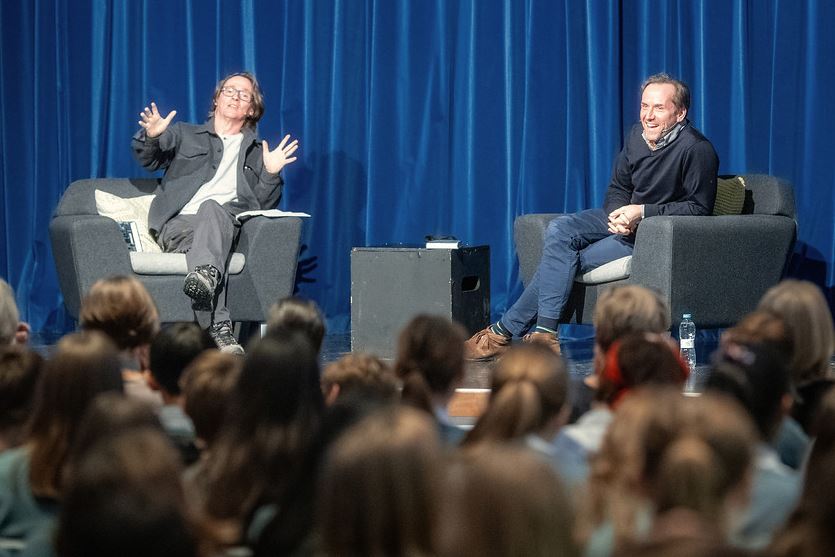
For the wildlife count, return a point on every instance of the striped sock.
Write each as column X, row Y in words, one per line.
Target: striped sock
column 498, row 329
column 541, row 329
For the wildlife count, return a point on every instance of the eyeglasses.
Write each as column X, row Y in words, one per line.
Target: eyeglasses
column 245, row 96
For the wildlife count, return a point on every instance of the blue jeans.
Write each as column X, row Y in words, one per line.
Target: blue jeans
column 575, row 243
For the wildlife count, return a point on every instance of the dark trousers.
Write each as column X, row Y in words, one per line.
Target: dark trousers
column 207, row 238
column 575, row 243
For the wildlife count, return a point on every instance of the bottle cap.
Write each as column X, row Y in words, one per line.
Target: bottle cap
column 686, row 316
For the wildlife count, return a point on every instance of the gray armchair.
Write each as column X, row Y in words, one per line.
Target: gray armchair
column 715, row 267
column 87, row 247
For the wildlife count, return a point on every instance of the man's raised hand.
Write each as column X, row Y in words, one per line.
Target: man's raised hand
column 153, row 122
column 279, row 157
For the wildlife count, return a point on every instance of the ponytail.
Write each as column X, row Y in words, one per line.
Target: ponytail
column 514, row 411
column 416, row 392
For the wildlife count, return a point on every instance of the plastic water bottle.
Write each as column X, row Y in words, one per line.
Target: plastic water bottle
column 687, row 344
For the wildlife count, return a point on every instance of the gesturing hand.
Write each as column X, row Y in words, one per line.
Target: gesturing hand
column 279, row 157
column 153, row 122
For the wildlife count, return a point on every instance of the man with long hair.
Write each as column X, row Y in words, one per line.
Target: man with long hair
column 213, row 172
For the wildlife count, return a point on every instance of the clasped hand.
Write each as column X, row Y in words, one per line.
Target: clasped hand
column 624, row 219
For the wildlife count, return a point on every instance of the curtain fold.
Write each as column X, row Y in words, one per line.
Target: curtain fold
column 415, row 117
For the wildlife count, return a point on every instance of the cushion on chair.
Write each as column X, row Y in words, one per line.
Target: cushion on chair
column 613, row 270
column 730, row 196
column 126, row 210
column 144, row 263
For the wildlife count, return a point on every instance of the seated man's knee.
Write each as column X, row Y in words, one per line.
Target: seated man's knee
column 210, row 206
column 558, row 229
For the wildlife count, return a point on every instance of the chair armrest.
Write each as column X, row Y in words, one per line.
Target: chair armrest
column 86, row 248
column 529, row 236
column 271, row 247
column 715, row 267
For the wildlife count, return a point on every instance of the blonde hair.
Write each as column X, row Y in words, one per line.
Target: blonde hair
column 121, row 308
column 9, row 315
column 628, row 309
column 804, row 310
column 530, row 387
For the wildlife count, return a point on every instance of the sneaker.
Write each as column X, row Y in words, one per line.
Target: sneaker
column 221, row 333
column 485, row 345
column 200, row 285
column 547, row 339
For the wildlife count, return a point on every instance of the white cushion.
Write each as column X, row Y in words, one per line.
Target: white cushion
column 613, row 270
column 129, row 209
column 144, row 263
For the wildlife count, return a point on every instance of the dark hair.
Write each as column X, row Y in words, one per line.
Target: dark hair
column 125, row 498
column 257, row 103
column 207, row 386
column 275, row 407
column 757, row 376
column 296, row 314
column 636, row 360
column 173, row 349
column 294, row 524
column 681, row 96
column 108, row 416
column 430, row 358
column 20, row 370
column 84, row 365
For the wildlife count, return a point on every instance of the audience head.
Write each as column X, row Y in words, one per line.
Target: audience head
column 172, row 350
column 294, row 525
column 207, row 387
column 808, row 531
column 504, row 500
column 273, row 412
column 640, row 359
column 121, row 308
column 11, row 328
column 529, row 395
column 430, row 360
column 667, row 452
column 804, row 310
column 760, row 326
column 621, row 310
column 296, row 314
column 757, row 377
column 20, row 370
column 83, row 366
column 361, row 374
column 381, row 486
column 110, row 415
column 124, row 497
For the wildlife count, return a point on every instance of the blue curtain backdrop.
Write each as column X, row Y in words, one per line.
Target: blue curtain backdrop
column 415, row 117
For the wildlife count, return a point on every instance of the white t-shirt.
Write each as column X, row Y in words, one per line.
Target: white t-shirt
column 223, row 187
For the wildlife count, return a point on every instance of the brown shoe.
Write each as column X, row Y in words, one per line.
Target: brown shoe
column 546, row 339
column 485, row 345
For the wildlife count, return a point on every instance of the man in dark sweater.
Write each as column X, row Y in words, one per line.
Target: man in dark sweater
column 666, row 167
